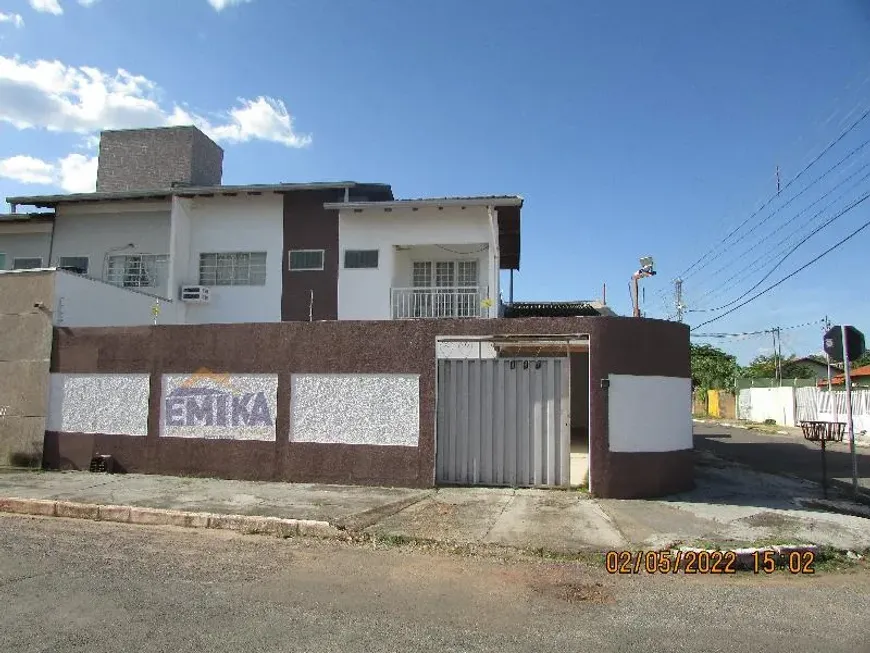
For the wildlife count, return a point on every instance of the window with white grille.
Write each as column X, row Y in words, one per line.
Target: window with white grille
column 232, row 269
column 447, row 274
column 137, row 270
column 422, row 274
column 466, row 274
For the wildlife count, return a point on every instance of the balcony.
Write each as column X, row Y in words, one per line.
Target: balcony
column 415, row 303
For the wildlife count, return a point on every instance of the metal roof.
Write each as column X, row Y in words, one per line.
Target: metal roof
column 46, row 216
column 554, row 309
column 196, row 191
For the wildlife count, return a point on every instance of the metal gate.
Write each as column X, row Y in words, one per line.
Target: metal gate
column 503, row 421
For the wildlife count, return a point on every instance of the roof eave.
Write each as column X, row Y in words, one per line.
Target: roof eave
column 397, row 204
column 50, row 201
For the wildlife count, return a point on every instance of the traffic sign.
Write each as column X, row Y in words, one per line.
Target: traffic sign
column 834, row 343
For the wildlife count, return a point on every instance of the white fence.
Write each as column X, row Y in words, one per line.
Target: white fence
column 789, row 406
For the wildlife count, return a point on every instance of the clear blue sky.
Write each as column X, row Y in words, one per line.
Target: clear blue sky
column 629, row 127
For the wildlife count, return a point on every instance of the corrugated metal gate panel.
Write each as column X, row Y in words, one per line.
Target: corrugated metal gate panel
column 503, row 422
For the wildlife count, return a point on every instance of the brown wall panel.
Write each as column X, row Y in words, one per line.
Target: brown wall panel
column 618, row 346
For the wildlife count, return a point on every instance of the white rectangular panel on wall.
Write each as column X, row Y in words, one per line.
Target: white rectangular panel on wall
column 215, row 406
column 99, row 403
column 379, row 409
column 649, row 413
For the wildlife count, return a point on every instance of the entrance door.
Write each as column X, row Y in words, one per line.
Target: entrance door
column 503, row 421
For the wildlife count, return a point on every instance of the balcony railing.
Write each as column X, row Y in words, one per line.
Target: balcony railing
column 409, row 303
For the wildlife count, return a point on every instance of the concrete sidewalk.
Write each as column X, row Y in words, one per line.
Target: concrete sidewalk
column 731, row 504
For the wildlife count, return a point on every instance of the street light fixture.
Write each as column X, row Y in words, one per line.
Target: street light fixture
column 647, row 269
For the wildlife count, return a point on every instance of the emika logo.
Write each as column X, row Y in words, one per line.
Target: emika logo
column 208, row 399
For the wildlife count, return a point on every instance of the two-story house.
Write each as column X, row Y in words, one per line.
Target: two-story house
column 163, row 228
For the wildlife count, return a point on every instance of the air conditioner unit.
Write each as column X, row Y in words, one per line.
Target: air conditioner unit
column 194, row 294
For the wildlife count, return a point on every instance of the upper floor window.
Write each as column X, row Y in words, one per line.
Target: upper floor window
column 300, row 260
column 232, row 269
column 360, row 258
column 137, row 270
column 77, row 264
column 26, row 263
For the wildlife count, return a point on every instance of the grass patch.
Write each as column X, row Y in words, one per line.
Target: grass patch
column 762, row 543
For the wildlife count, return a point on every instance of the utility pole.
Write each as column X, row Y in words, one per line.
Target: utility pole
column 776, row 368
column 678, row 292
column 827, row 356
column 779, row 352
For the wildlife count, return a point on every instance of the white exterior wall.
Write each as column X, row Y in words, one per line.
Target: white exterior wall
column 102, row 229
column 365, row 294
column 649, row 413
column 179, row 250
column 759, row 404
column 233, row 224
column 24, row 241
column 80, row 301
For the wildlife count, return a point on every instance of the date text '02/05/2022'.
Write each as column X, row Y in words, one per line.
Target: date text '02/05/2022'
column 707, row 562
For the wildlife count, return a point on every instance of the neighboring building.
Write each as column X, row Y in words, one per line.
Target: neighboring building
column 25, row 240
column 819, row 368
column 860, row 378
column 258, row 253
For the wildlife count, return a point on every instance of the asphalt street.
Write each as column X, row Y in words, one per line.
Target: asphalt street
column 94, row 586
column 784, row 454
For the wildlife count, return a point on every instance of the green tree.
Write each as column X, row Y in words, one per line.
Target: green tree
column 712, row 369
column 764, row 367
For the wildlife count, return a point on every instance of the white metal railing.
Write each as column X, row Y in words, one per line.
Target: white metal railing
column 411, row 303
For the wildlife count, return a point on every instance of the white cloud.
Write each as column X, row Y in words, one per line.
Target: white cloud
column 74, row 173
column 87, row 3
column 51, row 95
column 47, row 6
column 15, row 19
column 27, row 169
column 261, row 119
column 220, row 5
column 77, row 173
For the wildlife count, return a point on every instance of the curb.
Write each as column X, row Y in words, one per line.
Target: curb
column 245, row 524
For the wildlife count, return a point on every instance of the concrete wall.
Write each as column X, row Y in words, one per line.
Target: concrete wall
column 24, row 240
column 365, row 294
column 384, row 349
column 81, row 302
column 243, row 224
column 25, row 352
column 153, row 159
column 100, row 230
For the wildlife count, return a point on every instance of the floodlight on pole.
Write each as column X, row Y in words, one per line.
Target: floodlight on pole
column 647, row 269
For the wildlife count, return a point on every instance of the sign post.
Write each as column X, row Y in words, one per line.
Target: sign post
column 846, row 343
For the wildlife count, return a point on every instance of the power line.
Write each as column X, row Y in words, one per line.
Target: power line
column 760, row 332
column 749, row 269
column 858, row 90
column 772, row 197
column 789, row 276
column 789, row 253
column 792, row 199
